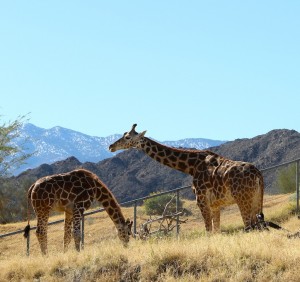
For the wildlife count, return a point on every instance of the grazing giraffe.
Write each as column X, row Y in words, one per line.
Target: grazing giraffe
column 73, row 193
column 217, row 181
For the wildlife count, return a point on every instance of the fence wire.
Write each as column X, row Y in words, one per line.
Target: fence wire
column 97, row 226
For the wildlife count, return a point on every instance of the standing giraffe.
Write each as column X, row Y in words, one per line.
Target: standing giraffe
column 73, row 193
column 217, row 181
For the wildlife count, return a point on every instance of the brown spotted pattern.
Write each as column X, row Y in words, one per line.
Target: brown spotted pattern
column 217, row 181
column 73, row 193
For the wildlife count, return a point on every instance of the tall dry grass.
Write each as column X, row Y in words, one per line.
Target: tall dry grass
column 257, row 256
column 194, row 256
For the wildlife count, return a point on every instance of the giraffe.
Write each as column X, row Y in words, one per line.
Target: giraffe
column 217, row 181
column 72, row 192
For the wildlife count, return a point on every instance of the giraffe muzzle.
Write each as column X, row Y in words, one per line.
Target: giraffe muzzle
column 112, row 149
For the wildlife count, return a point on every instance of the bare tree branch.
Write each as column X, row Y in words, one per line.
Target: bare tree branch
column 167, row 222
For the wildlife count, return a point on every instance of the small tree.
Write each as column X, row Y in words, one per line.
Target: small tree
column 11, row 155
column 286, row 179
column 156, row 205
column 13, row 200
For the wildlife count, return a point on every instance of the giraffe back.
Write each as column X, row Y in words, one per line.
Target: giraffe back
column 63, row 191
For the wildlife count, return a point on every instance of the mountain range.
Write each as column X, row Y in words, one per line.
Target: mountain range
column 58, row 143
column 132, row 174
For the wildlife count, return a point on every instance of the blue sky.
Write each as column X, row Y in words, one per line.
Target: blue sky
column 212, row 69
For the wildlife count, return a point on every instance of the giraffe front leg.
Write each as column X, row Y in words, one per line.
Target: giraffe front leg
column 67, row 230
column 41, row 232
column 216, row 213
column 205, row 211
column 77, row 215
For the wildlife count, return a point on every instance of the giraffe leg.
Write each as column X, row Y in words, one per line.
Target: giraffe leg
column 246, row 213
column 256, row 206
column 249, row 206
column 216, row 219
column 67, row 230
column 205, row 211
column 41, row 231
column 77, row 215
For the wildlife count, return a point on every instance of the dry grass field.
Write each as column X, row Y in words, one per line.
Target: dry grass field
column 232, row 255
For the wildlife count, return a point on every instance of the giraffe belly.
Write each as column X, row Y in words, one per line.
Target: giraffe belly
column 216, row 200
column 62, row 207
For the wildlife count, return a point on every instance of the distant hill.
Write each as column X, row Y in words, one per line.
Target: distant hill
column 131, row 174
column 58, row 143
column 275, row 147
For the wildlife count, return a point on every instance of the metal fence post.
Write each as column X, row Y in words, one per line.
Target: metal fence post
column 177, row 207
column 82, row 232
column 297, row 186
column 134, row 218
column 28, row 244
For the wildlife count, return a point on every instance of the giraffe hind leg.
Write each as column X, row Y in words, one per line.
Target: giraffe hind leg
column 67, row 230
column 246, row 213
column 257, row 214
column 77, row 216
column 41, row 231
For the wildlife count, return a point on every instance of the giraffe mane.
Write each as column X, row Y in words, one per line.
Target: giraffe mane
column 182, row 150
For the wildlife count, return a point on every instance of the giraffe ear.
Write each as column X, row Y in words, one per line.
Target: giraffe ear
column 142, row 133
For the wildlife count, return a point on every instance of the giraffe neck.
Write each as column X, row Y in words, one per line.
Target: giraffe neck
column 179, row 159
column 109, row 203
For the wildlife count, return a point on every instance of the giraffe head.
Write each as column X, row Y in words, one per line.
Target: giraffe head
column 124, row 231
column 130, row 139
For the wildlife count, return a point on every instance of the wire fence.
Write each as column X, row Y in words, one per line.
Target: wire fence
column 92, row 233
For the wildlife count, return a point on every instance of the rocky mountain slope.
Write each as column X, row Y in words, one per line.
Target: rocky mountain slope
column 274, row 147
column 132, row 174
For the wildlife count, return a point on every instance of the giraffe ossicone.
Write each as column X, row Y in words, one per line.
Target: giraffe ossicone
column 217, row 181
column 73, row 192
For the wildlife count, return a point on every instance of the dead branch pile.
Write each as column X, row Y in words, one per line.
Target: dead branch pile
column 166, row 223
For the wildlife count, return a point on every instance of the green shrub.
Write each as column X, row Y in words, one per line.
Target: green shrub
column 286, row 179
column 156, row 205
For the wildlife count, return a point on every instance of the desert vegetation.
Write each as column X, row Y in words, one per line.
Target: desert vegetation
column 232, row 255
column 236, row 257
column 157, row 205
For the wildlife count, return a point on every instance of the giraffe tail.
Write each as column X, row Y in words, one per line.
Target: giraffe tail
column 26, row 231
column 27, row 228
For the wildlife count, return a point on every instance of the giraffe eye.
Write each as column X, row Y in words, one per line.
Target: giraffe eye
column 127, row 137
